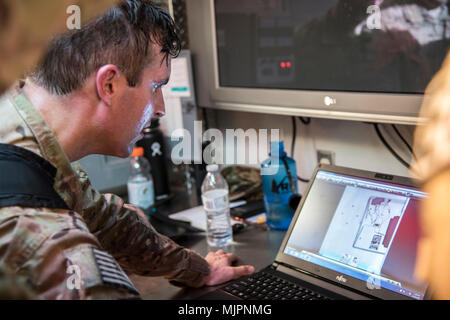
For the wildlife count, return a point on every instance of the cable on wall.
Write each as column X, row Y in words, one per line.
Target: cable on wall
column 305, row 121
column 294, row 138
column 404, row 141
column 386, row 144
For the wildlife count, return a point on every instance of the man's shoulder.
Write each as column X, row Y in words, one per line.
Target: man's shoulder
column 13, row 129
column 50, row 220
column 11, row 124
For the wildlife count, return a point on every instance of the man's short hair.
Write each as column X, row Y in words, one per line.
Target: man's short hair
column 122, row 36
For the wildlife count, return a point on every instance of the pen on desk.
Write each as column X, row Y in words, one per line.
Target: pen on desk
column 259, row 223
column 237, row 204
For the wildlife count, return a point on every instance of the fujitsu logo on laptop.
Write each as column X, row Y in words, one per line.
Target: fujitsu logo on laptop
column 341, row 279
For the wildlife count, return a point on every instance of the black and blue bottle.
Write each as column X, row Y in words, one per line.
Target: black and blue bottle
column 279, row 176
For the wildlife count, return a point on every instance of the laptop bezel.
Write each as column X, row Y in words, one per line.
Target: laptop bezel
column 329, row 275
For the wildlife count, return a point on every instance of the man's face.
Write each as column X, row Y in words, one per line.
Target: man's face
column 136, row 106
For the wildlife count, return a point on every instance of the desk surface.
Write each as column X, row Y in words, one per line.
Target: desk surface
column 255, row 246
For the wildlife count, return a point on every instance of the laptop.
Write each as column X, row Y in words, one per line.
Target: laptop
column 354, row 235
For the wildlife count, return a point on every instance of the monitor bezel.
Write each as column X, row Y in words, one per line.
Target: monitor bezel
column 356, row 106
column 331, row 275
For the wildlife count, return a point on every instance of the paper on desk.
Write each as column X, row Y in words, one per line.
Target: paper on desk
column 196, row 216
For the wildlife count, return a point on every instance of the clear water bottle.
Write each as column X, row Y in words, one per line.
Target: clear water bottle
column 141, row 192
column 217, row 207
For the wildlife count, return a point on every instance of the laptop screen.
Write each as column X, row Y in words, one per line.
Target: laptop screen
column 362, row 228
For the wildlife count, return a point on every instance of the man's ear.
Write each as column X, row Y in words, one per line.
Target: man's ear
column 107, row 83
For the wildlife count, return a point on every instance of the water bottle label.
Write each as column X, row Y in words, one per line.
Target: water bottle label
column 141, row 194
column 217, row 203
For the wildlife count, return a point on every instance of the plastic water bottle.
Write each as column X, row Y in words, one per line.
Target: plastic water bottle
column 277, row 186
column 140, row 183
column 155, row 153
column 217, row 207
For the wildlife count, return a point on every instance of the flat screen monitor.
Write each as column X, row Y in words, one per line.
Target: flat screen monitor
column 367, row 60
column 331, row 45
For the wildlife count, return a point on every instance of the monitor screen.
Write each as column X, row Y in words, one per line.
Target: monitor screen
column 372, row 46
column 362, row 228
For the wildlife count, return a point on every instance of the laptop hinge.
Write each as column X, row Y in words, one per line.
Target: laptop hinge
column 277, row 264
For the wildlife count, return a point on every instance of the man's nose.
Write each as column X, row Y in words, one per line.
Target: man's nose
column 160, row 108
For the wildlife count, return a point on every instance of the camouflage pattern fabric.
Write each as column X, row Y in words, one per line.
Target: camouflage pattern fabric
column 13, row 287
column 245, row 182
column 53, row 249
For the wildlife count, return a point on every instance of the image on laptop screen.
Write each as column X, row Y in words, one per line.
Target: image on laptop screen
column 363, row 228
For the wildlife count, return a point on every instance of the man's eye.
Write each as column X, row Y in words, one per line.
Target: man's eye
column 156, row 87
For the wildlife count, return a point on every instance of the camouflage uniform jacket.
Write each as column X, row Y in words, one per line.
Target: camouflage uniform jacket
column 57, row 250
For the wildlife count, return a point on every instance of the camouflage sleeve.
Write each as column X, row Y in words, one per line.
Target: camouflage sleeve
column 124, row 232
column 59, row 257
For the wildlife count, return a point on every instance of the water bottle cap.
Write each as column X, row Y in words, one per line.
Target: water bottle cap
column 137, row 152
column 277, row 148
column 212, row 168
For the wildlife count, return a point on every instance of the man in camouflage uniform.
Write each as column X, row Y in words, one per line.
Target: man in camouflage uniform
column 94, row 92
column 24, row 32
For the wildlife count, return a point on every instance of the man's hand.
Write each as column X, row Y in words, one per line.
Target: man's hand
column 221, row 269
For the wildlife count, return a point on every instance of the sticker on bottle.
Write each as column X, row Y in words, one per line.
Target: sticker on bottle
column 217, row 200
column 141, row 194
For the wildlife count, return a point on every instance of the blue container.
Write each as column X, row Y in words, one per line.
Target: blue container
column 277, row 188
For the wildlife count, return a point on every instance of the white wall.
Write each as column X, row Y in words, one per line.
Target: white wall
column 355, row 144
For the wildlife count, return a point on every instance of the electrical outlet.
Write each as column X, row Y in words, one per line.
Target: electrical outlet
column 326, row 157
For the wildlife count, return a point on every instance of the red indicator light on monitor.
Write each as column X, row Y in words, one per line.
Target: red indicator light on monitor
column 288, row 64
column 283, row 65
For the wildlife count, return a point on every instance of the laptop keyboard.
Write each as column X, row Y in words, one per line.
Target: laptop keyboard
column 266, row 286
